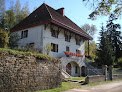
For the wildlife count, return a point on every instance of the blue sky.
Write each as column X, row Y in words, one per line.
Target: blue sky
column 74, row 9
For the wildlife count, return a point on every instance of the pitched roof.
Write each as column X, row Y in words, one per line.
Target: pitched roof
column 46, row 14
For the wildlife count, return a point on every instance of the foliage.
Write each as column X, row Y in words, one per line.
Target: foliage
column 120, row 62
column 4, row 38
column 16, row 52
column 21, row 13
column 104, row 7
column 92, row 49
column 13, row 41
column 114, row 36
column 15, row 14
column 48, row 48
column 90, row 29
column 105, row 52
column 7, row 20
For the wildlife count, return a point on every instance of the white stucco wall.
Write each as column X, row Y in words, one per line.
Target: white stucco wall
column 34, row 36
column 41, row 36
column 47, row 38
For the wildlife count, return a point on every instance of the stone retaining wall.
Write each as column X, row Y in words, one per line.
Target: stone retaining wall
column 93, row 79
column 22, row 73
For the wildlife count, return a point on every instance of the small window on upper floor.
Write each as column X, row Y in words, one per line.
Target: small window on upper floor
column 24, row 34
column 54, row 47
column 67, row 38
column 78, row 51
column 67, row 48
column 54, row 33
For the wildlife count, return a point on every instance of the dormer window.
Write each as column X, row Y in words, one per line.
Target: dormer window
column 24, row 34
column 67, row 38
column 54, row 33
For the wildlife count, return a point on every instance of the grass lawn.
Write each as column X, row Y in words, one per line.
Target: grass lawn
column 71, row 85
column 65, row 86
column 76, row 78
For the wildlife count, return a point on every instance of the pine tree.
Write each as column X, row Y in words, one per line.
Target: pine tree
column 114, row 36
column 105, row 53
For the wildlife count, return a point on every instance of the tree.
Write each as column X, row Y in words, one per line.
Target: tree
column 91, row 31
column 48, row 48
column 105, row 52
column 4, row 38
column 7, row 20
column 92, row 50
column 114, row 36
column 2, row 9
column 104, row 7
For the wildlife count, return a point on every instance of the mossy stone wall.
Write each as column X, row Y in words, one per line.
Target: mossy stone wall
column 23, row 73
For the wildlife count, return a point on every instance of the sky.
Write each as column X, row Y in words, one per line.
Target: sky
column 76, row 10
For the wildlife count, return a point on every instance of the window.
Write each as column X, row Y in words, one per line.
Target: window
column 31, row 45
column 77, row 41
column 67, row 38
column 24, row 34
column 54, row 47
column 54, row 33
column 67, row 48
column 78, row 51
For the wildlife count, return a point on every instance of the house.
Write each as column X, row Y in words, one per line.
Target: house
column 47, row 25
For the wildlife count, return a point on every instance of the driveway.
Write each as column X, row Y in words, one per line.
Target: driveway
column 115, row 86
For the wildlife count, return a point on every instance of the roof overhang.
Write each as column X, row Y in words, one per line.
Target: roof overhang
column 73, row 30
column 57, row 23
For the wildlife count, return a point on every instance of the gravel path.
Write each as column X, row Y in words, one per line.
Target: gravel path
column 115, row 86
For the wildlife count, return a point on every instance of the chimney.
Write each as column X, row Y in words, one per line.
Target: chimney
column 61, row 11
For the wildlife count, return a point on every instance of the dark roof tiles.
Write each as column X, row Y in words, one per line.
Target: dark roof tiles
column 45, row 13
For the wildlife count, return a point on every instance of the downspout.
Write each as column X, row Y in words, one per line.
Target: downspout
column 42, row 39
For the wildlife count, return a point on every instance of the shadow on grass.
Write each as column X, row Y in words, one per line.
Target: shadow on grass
column 84, row 83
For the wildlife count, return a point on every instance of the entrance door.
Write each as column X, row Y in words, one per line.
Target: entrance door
column 68, row 68
column 83, row 68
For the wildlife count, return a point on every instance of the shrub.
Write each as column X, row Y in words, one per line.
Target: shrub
column 4, row 38
column 120, row 62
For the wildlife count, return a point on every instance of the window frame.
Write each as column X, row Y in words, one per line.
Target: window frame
column 78, row 51
column 67, row 38
column 78, row 42
column 54, row 47
column 54, row 33
column 24, row 34
column 67, row 48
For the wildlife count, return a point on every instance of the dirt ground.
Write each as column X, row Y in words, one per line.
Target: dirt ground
column 115, row 86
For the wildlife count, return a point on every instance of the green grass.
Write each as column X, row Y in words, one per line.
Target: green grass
column 46, row 57
column 71, row 85
column 65, row 86
column 76, row 78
